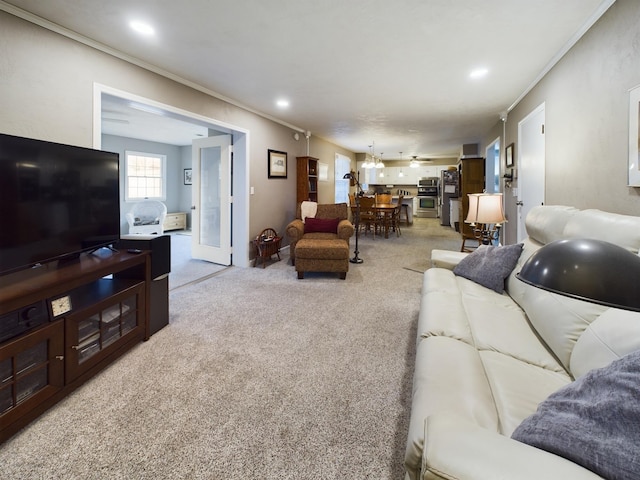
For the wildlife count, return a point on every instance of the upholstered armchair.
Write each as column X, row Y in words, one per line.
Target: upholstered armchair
column 323, row 247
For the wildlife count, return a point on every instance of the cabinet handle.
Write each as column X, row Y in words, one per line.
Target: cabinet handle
column 59, row 357
column 75, row 347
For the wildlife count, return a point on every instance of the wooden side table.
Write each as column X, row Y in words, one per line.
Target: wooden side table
column 267, row 244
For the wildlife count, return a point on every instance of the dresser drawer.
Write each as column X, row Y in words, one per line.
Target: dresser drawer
column 175, row 221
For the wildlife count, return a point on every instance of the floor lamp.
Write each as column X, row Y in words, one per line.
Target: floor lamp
column 352, row 176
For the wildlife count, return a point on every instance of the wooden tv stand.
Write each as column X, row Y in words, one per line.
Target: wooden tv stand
column 92, row 310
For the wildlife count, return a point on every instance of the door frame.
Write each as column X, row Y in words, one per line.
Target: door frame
column 240, row 176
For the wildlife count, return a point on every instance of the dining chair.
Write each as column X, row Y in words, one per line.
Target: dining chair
column 352, row 203
column 368, row 215
column 390, row 219
column 384, row 198
column 395, row 216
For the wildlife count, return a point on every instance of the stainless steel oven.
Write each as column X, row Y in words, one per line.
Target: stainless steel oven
column 427, row 198
column 427, row 207
column 427, row 191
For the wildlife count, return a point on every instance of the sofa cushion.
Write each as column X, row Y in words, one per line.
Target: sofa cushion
column 611, row 336
column 448, row 377
column 326, row 225
column 622, row 230
column 546, row 223
column 593, row 421
column 558, row 320
column 497, row 324
column 443, row 315
column 489, row 265
column 458, row 449
column 442, row 312
column 518, row 387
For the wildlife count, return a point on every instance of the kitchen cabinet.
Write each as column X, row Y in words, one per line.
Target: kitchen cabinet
column 391, row 176
column 428, row 171
column 369, row 176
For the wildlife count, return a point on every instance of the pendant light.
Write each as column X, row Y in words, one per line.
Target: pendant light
column 372, row 163
column 401, row 174
column 414, row 162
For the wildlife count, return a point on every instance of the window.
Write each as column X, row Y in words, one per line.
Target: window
column 145, row 176
column 342, row 166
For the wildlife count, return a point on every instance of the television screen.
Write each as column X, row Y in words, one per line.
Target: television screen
column 56, row 201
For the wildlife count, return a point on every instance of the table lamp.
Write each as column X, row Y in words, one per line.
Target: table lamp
column 587, row 269
column 486, row 216
column 356, row 179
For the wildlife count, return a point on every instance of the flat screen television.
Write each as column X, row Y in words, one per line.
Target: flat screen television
column 56, row 201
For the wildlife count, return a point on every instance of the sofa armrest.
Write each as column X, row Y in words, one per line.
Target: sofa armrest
column 345, row 230
column 446, row 258
column 295, row 230
column 456, row 448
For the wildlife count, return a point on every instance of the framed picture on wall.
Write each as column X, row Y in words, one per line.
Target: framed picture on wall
column 277, row 164
column 188, row 176
column 509, row 155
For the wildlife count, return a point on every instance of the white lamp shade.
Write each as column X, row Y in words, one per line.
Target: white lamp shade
column 485, row 208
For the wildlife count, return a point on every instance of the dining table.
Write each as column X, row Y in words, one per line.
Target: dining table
column 384, row 210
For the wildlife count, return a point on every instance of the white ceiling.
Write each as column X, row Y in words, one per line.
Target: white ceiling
column 355, row 72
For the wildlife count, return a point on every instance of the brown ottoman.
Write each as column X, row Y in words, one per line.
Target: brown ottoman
column 322, row 255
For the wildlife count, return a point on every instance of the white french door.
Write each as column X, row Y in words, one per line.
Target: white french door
column 211, row 200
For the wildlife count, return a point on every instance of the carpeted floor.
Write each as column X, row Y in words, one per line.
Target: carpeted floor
column 258, row 375
column 185, row 269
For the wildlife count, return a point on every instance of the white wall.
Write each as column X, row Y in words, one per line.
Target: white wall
column 47, row 83
column 587, row 107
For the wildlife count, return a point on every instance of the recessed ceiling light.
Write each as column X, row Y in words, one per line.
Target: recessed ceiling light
column 282, row 103
column 479, row 72
column 142, row 28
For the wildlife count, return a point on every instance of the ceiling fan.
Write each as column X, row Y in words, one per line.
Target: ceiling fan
column 415, row 163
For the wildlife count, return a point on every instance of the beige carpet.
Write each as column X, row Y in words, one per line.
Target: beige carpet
column 258, row 375
column 184, row 269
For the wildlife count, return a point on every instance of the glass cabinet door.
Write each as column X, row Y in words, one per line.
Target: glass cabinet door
column 31, row 369
column 94, row 333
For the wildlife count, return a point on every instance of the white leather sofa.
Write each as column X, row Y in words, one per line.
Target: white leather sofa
column 484, row 361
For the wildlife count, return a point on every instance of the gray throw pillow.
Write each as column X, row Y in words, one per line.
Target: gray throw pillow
column 594, row 421
column 489, row 265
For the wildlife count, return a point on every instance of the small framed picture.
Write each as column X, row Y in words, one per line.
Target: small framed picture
column 188, row 176
column 277, row 164
column 509, row 155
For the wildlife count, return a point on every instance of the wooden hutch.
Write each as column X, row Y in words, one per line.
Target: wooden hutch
column 307, row 179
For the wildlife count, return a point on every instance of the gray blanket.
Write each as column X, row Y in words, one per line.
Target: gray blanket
column 594, row 421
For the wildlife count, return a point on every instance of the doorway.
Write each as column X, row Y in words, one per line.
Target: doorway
column 211, row 210
column 531, row 165
column 239, row 221
column 492, row 167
